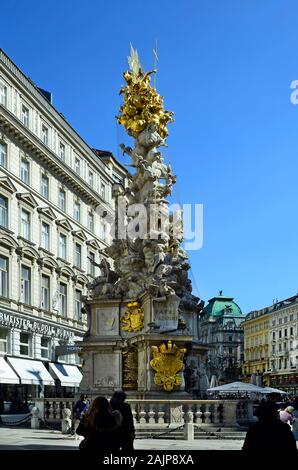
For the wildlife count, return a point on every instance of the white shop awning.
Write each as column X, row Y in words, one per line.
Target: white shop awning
column 7, row 375
column 31, row 372
column 69, row 376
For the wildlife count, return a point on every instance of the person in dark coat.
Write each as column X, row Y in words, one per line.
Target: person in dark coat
column 269, row 433
column 99, row 427
column 81, row 407
column 126, row 432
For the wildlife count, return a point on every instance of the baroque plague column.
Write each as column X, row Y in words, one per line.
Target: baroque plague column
column 142, row 314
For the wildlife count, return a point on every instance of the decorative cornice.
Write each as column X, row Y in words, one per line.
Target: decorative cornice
column 79, row 234
column 93, row 243
column 48, row 108
column 64, row 224
column 7, row 240
column 44, row 252
column 49, row 262
column 6, row 183
column 47, row 212
column 81, row 278
column 3, row 137
column 31, row 143
column 24, row 242
column 66, row 270
column 27, row 198
column 27, row 251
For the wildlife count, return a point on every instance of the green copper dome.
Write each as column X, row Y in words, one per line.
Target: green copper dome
column 222, row 305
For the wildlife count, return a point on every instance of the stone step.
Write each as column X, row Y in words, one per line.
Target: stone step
column 179, row 434
column 196, row 430
column 180, row 437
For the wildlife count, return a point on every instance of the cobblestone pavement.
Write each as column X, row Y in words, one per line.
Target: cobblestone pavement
column 40, row 439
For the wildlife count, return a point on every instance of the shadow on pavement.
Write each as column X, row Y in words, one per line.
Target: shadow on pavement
column 37, row 447
column 50, row 438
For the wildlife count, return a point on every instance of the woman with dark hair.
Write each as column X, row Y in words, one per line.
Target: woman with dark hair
column 126, row 431
column 99, row 427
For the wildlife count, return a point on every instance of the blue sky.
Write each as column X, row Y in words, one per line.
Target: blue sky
column 225, row 69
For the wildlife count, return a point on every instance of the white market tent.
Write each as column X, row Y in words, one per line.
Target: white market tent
column 236, row 387
column 273, row 390
column 242, row 387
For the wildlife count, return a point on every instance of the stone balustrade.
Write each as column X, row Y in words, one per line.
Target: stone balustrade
column 166, row 413
column 51, row 409
column 162, row 413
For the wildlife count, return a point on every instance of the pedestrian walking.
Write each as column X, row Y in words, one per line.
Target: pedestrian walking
column 269, row 433
column 99, row 426
column 126, row 432
column 81, row 407
column 79, row 410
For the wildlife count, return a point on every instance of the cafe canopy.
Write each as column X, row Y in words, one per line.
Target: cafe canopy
column 236, row 387
column 242, row 387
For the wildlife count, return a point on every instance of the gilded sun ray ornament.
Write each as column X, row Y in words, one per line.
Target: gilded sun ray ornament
column 134, row 62
column 142, row 104
column 133, row 319
column 167, row 362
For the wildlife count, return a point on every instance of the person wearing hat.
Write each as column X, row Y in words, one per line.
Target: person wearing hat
column 286, row 415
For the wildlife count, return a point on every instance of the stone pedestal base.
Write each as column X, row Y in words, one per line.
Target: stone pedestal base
column 116, row 357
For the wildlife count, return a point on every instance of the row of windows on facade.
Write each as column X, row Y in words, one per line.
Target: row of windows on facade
column 44, row 189
column 284, row 363
column 26, row 346
column 291, row 331
column 288, row 382
column 281, row 363
column 58, row 302
column 283, row 347
column 45, row 233
column 45, row 138
column 262, row 326
column 256, row 340
column 224, row 339
column 284, row 319
column 286, row 333
column 257, row 327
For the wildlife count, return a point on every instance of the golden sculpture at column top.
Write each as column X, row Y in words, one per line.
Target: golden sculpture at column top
column 142, row 104
column 133, row 319
column 167, row 362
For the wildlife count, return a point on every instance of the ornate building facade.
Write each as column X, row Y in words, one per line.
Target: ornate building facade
column 55, row 207
column 220, row 327
column 271, row 345
column 256, row 346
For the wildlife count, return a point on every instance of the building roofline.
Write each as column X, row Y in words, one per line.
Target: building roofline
column 280, row 305
column 221, row 297
column 107, row 155
column 46, row 103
